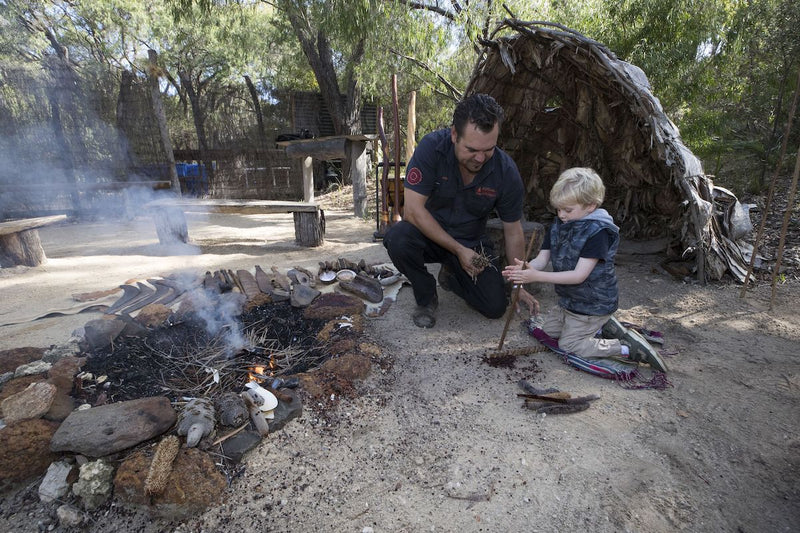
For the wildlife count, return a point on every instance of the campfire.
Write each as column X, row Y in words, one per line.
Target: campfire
column 184, row 375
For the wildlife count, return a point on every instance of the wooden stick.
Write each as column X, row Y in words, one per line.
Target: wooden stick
column 515, row 295
column 771, row 192
column 231, row 434
column 787, row 215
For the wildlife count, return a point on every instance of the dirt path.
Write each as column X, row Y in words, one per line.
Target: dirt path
column 440, row 442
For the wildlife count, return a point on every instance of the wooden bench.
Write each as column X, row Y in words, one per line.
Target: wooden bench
column 20, row 243
column 168, row 214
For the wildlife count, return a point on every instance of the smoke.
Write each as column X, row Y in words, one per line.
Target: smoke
column 220, row 314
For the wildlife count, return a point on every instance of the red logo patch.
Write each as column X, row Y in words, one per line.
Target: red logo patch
column 486, row 191
column 414, row 176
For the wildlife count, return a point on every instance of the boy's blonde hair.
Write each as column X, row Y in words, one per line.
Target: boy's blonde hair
column 578, row 186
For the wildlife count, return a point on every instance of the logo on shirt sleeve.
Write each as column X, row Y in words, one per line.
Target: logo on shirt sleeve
column 414, row 176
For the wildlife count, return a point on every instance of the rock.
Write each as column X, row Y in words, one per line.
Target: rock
column 286, row 411
column 94, row 483
column 33, row 402
column 196, row 421
column 62, row 375
column 114, row 427
column 153, row 315
column 63, row 372
column 263, row 280
column 336, row 376
column 32, row 368
column 332, row 305
column 258, row 300
column 194, row 484
column 365, row 287
column 59, row 351
column 25, row 450
column 235, row 447
column 303, row 295
column 56, row 481
column 133, row 328
column 11, row 359
column 341, row 325
column 231, row 410
column 248, row 283
column 16, row 385
column 101, row 332
column 69, row 516
column 301, row 276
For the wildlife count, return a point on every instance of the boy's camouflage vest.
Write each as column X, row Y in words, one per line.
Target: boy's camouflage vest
column 598, row 294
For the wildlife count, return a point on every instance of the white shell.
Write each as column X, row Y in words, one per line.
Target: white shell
column 270, row 401
column 345, row 275
column 327, row 276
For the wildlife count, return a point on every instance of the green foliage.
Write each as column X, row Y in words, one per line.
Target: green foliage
column 724, row 70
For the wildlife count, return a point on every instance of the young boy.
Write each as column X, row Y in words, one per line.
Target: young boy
column 581, row 245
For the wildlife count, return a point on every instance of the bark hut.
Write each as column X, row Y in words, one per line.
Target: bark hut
column 569, row 101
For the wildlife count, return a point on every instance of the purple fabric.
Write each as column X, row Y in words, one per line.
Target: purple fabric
column 627, row 374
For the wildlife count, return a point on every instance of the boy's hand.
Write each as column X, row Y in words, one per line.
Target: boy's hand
column 516, row 274
column 527, row 298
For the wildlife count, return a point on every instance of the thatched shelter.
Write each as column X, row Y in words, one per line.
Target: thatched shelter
column 570, row 102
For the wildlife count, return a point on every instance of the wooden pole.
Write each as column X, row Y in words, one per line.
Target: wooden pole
column 384, row 222
column 411, row 141
column 396, row 207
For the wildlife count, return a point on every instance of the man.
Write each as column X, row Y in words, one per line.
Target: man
column 456, row 178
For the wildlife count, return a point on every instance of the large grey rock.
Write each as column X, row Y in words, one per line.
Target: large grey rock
column 110, row 428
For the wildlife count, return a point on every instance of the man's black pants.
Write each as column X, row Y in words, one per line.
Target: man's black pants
column 410, row 250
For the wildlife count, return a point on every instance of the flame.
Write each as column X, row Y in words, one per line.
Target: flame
column 256, row 374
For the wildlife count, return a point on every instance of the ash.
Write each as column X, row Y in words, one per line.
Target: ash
column 182, row 360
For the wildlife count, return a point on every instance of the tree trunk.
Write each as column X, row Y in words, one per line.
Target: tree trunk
column 199, row 124
column 125, row 120
column 21, row 248
column 161, row 119
column 262, row 134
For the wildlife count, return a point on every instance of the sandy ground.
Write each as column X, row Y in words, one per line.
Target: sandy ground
column 440, row 441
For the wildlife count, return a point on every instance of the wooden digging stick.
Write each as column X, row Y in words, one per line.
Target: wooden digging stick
column 515, row 293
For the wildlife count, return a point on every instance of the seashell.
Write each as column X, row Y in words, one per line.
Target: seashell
column 327, row 276
column 270, row 401
column 345, row 275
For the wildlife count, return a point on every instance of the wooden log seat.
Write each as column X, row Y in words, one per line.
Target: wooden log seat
column 168, row 215
column 20, row 243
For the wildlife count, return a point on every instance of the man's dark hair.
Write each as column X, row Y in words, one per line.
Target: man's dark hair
column 480, row 109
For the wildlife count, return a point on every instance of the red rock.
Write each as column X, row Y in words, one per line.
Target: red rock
column 25, row 451
column 194, row 484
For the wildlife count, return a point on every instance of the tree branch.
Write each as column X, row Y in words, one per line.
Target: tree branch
column 455, row 94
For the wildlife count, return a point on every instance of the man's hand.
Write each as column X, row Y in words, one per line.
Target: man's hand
column 465, row 258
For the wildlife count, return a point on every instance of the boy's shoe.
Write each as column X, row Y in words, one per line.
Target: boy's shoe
column 640, row 350
column 425, row 315
column 613, row 329
column 444, row 277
